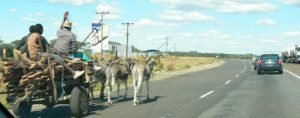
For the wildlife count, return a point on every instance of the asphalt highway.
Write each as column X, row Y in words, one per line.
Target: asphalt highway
column 233, row 90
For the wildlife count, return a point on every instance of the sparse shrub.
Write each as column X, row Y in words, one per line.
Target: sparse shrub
column 187, row 66
column 159, row 65
column 170, row 67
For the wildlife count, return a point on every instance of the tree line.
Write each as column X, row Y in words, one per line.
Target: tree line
column 10, row 46
column 215, row 55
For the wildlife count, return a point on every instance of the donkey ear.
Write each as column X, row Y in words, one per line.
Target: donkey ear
column 147, row 59
column 153, row 59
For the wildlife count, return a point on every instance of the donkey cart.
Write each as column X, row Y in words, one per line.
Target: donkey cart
column 49, row 86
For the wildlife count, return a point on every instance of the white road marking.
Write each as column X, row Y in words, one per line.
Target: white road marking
column 227, row 82
column 245, row 67
column 292, row 73
column 206, row 94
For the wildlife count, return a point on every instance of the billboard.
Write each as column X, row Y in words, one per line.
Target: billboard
column 97, row 45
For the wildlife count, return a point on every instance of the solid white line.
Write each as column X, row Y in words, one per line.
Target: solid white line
column 292, row 73
column 206, row 94
column 245, row 67
column 237, row 75
column 227, row 82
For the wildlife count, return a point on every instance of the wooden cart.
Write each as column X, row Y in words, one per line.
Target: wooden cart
column 51, row 85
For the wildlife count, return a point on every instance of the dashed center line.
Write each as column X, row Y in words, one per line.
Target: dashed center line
column 167, row 115
column 227, row 82
column 206, row 94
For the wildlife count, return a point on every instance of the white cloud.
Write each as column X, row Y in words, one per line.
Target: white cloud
column 265, row 21
column 72, row 2
column 292, row 34
column 292, row 2
column 176, row 15
column 28, row 18
column 39, row 13
column 222, row 6
column 214, row 35
column 13, row 10
column 269, row 40
column 145, row 22
column 113, row 8
column 34, row 17
column 239, row 7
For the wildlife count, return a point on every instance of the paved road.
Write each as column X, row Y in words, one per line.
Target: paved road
column 233, row 90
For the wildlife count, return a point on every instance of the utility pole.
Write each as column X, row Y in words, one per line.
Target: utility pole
column 174, row 47
column 167, row 42
column 102, row 23
column 127, row 35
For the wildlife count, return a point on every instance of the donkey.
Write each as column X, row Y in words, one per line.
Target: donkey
column 117, row 73
column 141, row 72
column 98, row 76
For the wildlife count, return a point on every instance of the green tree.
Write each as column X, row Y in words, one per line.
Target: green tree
column 15, row 42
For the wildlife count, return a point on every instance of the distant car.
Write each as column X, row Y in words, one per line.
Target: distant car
column 269, row 62
column 255, row 62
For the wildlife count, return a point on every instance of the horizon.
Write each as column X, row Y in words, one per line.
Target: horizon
column 229, row 26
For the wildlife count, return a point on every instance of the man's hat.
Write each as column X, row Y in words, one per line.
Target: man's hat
column 67, row 24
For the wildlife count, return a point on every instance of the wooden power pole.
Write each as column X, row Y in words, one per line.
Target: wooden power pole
column 127, row 35
column 102, row 23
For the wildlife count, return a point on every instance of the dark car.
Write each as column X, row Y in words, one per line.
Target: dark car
column 255, row 62
column 269, row 62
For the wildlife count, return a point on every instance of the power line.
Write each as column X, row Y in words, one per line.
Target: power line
column 127, row 35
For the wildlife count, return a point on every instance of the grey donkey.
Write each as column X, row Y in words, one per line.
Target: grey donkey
column 98, row 76
column 117, row 73
column 141, row 72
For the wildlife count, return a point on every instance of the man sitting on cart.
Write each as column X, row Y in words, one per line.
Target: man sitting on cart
column 35, row 53
column 66, row 44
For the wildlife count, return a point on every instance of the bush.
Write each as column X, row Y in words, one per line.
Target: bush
column 170, row 67
column 187, row 66
column 159, row 65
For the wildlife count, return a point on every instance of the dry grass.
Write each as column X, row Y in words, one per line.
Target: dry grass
column 181, row 63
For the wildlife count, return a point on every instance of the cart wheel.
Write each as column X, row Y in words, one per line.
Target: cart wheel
column 22, row 109
column 79, row 102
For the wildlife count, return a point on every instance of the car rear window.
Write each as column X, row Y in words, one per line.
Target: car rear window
column 269, row 57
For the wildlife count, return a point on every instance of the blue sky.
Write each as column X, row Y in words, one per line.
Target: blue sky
column 225, row 26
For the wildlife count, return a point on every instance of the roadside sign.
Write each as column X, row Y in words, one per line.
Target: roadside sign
column 98, row 46
column 96, row 26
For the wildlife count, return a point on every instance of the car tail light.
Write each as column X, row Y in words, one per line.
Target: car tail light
column 260, row 62
column 280, row 62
